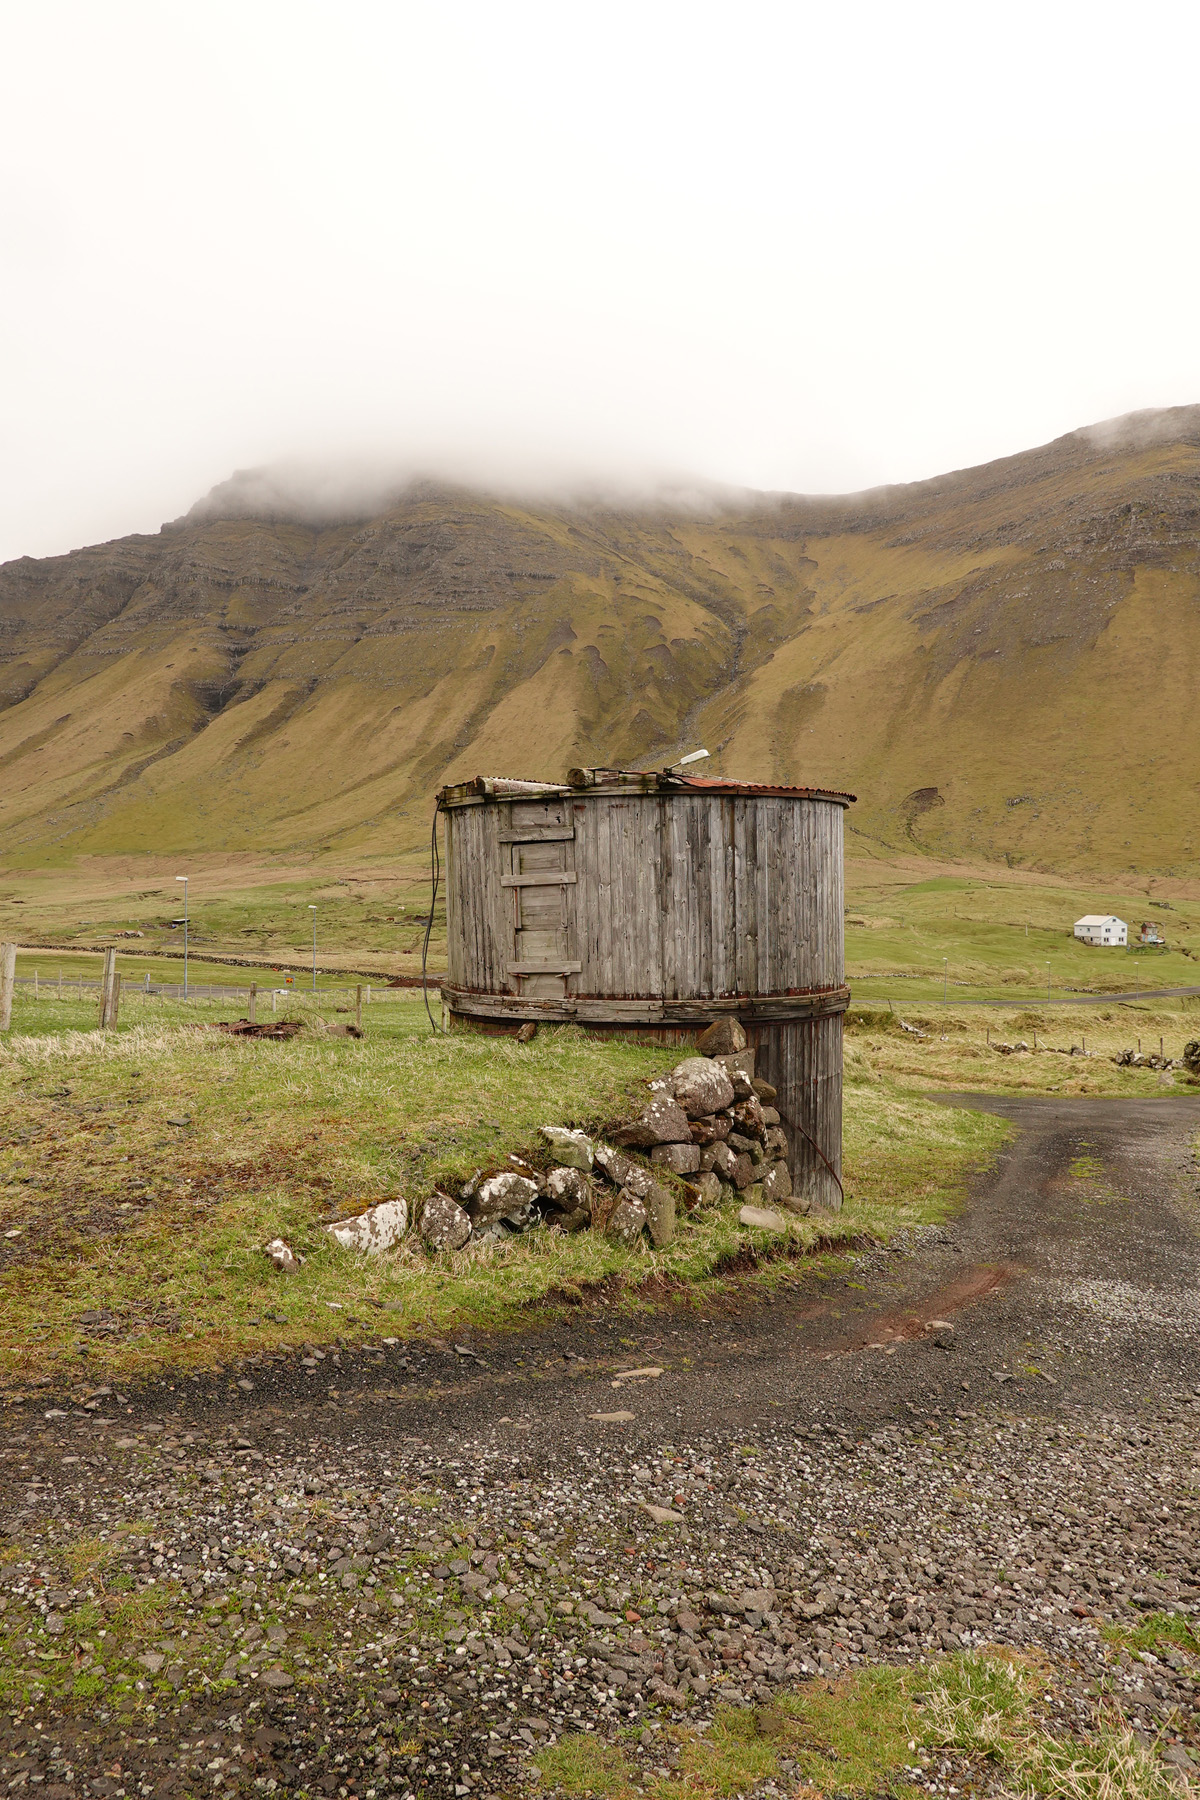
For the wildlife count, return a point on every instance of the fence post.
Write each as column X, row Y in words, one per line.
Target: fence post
column 252, row 1004
column 274, row 999
column 358, row 1006
column 35, row 985
column 110, row 988
column 8, row 976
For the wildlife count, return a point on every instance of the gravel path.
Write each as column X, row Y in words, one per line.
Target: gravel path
column 402, row 1573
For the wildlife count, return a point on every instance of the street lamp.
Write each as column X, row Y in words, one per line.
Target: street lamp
column 313, row 911
column 945, row 977
column 1047, row 984
column 184, row 880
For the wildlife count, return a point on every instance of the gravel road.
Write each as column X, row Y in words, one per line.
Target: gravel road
column 404, row 1572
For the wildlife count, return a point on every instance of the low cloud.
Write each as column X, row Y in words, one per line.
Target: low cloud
column 350, row 492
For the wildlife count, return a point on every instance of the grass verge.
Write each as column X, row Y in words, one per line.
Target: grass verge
column 874, row 1732
column 141, row 1173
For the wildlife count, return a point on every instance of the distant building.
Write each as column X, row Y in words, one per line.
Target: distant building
column 1101, row 928
column 1150, row 934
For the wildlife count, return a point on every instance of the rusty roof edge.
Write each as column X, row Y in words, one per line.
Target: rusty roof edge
column 582, row 782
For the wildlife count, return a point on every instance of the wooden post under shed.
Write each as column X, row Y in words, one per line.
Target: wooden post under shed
column 650, row 905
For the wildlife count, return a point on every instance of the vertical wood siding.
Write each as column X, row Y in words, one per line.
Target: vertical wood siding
column 681, row 897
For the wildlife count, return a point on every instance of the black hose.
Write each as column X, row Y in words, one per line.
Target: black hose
column 435, row 869
column 824, row 1159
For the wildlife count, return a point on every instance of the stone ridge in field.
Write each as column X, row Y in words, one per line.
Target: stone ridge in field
column 961, row 652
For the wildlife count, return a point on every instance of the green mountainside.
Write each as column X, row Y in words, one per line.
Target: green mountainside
column 1002, row 663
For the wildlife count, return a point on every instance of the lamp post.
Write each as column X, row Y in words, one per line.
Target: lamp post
column 1047, row 984
column 313, row 911
column 945, row 977
column 184, row 880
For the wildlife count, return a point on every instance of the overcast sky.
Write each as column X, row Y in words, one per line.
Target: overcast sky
column 784, row 245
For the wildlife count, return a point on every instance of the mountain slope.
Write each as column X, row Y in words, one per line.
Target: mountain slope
column 1001, row 662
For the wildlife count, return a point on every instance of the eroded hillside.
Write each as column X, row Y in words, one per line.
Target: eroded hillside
column 1001, row 662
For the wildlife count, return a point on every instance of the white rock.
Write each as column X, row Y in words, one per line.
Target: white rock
column 374, row 1231
column 504, row 1196
column 762, row 1218
column 283, row 1256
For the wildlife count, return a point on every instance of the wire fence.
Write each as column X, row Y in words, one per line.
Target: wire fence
column 60, row 987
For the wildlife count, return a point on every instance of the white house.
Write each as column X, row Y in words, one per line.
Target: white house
column 1101, row 928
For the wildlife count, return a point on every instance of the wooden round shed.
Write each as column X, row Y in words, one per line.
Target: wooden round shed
column 652, row 905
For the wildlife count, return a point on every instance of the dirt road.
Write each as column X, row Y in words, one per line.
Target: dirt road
column 398, row 1572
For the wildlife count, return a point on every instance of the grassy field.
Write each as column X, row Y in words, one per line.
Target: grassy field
column 915, row 930
column 142, row 1171
column 370, row 917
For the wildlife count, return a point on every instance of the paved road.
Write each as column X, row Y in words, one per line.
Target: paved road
column 989, row 1438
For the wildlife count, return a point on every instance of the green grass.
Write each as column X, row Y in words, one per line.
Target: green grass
column 142, row 1171
column 870, row 1734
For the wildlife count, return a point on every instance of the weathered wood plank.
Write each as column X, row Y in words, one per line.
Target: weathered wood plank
column 540, row 878
column 538, row 834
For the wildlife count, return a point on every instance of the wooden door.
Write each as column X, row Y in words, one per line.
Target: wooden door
column 538, row 867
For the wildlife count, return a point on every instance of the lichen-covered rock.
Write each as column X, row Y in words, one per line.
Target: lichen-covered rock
column 574, row 1148
column 724, row 1037
column 765, row 1091
column 660, row 1215
column 770, row 1113
column 506, row 1197
column 742, row 1173
column 748, row 1117
column 701, row 1086
column 740, row 1070
column 638, row 1180
column 681, row 1159
column 703, row 1190
column 776, row 1182
column 628, row 1220
column 376, row 1230
column 569, row 1189
column 443, row 1224
column 612, row 1162
column 730, row 1165
column 746, row 1146
column 662, row 1122
column 775, row 1141
column 711, row 1130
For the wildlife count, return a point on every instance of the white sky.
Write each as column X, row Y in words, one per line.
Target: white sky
column 800, row 245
